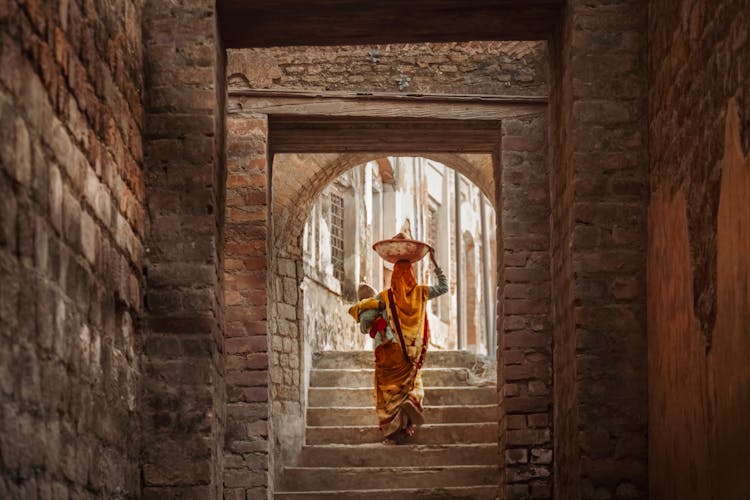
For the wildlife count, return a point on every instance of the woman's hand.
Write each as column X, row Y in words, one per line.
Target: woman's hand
column 432, row 257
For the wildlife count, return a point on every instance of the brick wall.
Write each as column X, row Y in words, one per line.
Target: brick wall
column 526, row 339
column 512, row 68
column 71, row 248
column 566, row 471
column 183, row 386
column 297, row 180
column 599, row 192
column 698, row 247
column 250, row 311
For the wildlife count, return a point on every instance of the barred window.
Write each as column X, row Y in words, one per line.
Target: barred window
column 432, row 239
column 337, row 236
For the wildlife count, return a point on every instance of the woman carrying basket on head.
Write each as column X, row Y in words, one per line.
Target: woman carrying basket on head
column 403, row 338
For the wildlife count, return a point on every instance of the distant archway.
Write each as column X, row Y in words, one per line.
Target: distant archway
column 299, row 178
column 258, row 220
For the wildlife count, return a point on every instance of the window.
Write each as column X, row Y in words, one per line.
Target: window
column 337, row 236
column 432, row 239
column 432, row 224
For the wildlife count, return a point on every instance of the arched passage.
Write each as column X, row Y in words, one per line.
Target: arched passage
column 299, row 178
column 262, row 272
column 366, row 204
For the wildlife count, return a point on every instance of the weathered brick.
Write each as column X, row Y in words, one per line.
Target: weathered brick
column 462, row 68
column 528, row 437
column 253, row 344
column 516, row 456
column 541, row 456
column 49, row 145
column 600, row 94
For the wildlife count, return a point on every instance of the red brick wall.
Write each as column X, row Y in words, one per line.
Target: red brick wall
column 246, row 285
column 71, row 248
column 526, row 338
column 511, row 68
column 599, row 193
column 183, row 387
column 698, row 248
column 298, row 179
column 566, row 471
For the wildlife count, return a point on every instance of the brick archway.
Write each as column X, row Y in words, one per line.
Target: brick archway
column 299, row 179
column 265, row 358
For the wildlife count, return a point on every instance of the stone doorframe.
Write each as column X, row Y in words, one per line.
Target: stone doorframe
column 262, row 329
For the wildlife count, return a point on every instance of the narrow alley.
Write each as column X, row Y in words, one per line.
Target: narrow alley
column 190, row 192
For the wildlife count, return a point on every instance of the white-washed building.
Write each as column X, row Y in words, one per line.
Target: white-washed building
column 371, row 202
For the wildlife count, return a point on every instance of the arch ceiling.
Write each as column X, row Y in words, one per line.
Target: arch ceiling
column 298, row 179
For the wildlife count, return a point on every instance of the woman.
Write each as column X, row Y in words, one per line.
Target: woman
column 399, row 359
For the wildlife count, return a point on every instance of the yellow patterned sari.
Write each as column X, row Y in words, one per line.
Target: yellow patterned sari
column 398, row 380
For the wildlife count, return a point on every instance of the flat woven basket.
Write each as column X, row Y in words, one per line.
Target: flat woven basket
column 394, row 250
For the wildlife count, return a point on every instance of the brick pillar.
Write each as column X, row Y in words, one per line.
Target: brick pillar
column 245, row 284
column 183, row 389
column 565, row 418
column 526, row 337
column 599, row 188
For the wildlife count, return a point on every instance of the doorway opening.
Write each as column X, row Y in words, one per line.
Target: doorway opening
column 285, row 146
column 371, row 202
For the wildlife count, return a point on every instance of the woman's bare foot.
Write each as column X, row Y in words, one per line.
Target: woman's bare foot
column 415, row 415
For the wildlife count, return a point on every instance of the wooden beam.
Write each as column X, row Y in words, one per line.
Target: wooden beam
column 402, row 136
column 267, row 23
column 351, row 104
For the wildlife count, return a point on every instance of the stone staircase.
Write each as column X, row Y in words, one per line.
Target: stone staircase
column 454, row 455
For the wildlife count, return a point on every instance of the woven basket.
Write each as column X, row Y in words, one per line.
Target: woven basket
column 394, row 250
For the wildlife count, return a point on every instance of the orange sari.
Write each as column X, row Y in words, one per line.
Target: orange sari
column 398, row 380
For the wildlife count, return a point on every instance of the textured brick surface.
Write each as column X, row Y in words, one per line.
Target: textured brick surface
column 526, row 340
column 247, row 290
column 183, row 387
column 599, row 193
column 698, row 247
column 699, row 56
column 565, row 420
column 71, row 248
column 512, row 68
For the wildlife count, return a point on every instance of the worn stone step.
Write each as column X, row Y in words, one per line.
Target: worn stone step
column 456, row 492
column 434, row 396
column 363, row 377
column 427, row 434
column 366, row 359
column 365, row 415
column 379, row 455
column 364, row 478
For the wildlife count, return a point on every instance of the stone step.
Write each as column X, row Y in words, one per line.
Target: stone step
column 365, row 415
column 366, row 359
column 363, row 377
column 436, row 396
column 379, row 455
column 455, row 492
column 427, row 434
column 364, row 478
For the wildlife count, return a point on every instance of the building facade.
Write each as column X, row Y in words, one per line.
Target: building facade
column 371, row 202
